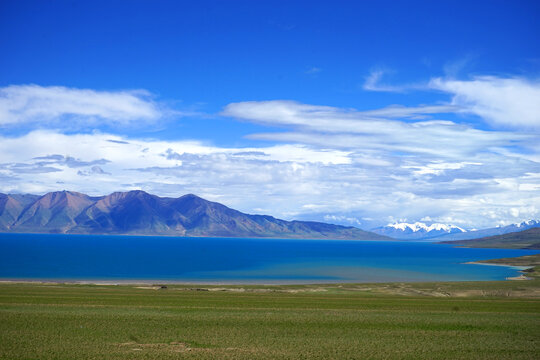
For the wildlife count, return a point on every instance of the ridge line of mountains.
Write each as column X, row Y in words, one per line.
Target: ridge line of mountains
column 446, row 232
column 139, row 213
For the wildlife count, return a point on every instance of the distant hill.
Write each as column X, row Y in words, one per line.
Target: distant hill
column 500, row 230
column 526, row 239
column 417, row 230
column 140, row 213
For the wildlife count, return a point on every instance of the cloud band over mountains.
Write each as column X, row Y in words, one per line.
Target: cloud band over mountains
column 314, row 162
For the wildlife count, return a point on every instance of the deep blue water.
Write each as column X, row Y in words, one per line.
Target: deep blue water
column 216, row 260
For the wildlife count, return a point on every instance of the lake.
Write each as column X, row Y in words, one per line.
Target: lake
column 238, row 260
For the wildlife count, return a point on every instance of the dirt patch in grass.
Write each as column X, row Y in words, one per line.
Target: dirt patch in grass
column 148, row 287
column 236, row 289
column 177, row 347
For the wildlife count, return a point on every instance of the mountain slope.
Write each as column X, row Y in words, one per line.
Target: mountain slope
column 56, row 210
column 526, row 239
column 137, row 212
column 11, row 206
column 133, row 211
column 416, row 231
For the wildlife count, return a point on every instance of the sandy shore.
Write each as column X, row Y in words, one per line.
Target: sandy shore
column 520, row 268
column 163, row 282
column 520, row 277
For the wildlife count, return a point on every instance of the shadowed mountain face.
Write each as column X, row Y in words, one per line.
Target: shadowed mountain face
column 11, row 206
column 137, row 212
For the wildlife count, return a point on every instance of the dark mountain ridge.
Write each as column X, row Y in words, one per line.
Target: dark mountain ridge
column 500, row 230
column 139, row 213
column 526, row 239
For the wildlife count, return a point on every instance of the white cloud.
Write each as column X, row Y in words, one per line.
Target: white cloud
column 288, row 181
column 373, row 80
column 69, row 155
column 329, row 163
column 439, row 167
column 401, row 112
column 408, row 169
column 313, row 70
column 373, row 131
column 510, row 102
column 21, row 104
column 506, row 102
column 327, row 118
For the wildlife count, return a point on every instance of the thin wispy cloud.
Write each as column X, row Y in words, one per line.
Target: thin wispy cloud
column 373, row 130
column 313, row 70
column 511, row 102
column 455, row 68
column 373, row 82
column 410, row 112
column 503, row 102
column 39, row 105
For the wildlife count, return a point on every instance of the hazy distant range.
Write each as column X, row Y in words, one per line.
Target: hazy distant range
column 448, row 232
column 140, row 213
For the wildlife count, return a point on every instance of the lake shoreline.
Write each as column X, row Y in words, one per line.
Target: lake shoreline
column 527, row 265
column 156, row 282
column 159, row 260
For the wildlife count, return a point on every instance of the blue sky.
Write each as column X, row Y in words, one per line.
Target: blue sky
column 350, row 112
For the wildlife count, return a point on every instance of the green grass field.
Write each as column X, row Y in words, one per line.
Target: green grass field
column 477, row 320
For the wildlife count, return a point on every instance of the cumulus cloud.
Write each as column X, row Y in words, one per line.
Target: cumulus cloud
column 507, row 102
column 407, row 167
column 21, row 104
column 93, row 171
column 68, row 160
column 326, row 163
column 288, row 181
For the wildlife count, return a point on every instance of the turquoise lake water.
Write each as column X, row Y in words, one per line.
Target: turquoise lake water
column 237, row 260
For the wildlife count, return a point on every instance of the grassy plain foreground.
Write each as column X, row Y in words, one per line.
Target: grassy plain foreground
column 473, row 320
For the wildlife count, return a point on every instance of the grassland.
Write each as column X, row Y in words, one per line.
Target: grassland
column 466, row 320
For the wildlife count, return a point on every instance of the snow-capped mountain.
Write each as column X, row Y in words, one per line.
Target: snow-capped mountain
column 417, row 231
column 499, row 230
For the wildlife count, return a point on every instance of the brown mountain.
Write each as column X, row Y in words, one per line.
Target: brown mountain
column 56, row 210
column 11, row 207
column 137, row 212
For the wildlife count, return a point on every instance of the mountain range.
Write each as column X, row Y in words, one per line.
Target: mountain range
column 417, row 230
column 139, row 213
column 446, row 232
column 525, row 239
column 499, row 230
